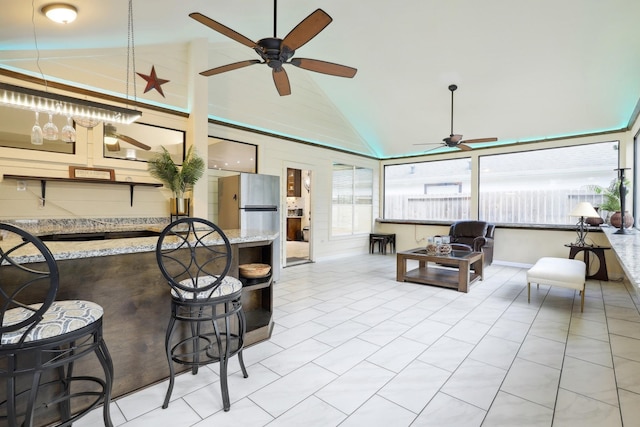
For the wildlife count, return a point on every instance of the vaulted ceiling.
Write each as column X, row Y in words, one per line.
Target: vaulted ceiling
column 525, row 70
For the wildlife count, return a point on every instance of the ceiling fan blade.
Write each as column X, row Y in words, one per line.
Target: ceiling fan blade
column 435, row 148
column 324, row 67
column 281, row 80
column 229, row 67
column 225, row 31
column 477, row 140
column 133, row 142
column 307, row 29
column 464, row 147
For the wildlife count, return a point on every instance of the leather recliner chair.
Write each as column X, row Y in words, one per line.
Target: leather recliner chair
column 474, row 236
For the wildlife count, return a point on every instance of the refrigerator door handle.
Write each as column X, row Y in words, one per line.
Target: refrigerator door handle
column 258, row 208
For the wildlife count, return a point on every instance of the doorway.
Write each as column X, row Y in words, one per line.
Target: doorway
column 298, row 219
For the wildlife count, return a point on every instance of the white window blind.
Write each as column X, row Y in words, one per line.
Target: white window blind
column 352, row 200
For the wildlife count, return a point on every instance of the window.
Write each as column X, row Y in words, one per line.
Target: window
column 543, row 186
column 225, row 154
column 352, row 200
column 128, row 141
column 437, row 190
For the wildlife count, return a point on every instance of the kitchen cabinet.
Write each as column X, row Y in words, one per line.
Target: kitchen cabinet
column 294, row 182
column 294, row 228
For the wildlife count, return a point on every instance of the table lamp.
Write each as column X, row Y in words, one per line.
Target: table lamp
column 583, row 210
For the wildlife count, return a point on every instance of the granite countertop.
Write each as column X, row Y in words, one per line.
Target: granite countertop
column 627, row 250
column 41, row 227
column 63, row 250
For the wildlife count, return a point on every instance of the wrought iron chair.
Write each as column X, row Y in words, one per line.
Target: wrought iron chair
column 41, row 339
column 194, row 256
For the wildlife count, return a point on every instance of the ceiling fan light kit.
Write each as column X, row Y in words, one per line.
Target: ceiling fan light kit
column 276, row 52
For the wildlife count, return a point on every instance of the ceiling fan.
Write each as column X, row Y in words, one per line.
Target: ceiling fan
column 112, row 138
column 276, row 52
column 455, row 140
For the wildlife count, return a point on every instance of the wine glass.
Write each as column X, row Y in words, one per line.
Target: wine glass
column 36, row 132
column 50, row 130
column 68, row 132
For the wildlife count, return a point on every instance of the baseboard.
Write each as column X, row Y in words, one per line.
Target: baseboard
column 511, row 264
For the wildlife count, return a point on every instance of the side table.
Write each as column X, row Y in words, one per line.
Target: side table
column 382, row 239
column 598, row 251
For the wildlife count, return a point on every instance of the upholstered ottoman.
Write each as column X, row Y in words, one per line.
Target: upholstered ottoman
column 566, row 273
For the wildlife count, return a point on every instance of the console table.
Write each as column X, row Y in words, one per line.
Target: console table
column 598, row 251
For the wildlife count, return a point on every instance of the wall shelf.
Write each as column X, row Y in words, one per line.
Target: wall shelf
column 43, row 183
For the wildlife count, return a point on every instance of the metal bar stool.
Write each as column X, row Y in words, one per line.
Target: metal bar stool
column 41, row 338
column 194, row 256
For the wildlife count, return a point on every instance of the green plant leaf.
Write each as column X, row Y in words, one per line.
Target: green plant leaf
column 177, row 179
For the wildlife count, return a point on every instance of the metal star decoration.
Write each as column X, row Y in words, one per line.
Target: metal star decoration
column 153, row 82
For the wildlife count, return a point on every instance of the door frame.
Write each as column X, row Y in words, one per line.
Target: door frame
column 283, row 190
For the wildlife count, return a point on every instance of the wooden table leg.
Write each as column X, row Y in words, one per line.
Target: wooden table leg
column 401, row 268
column 463, row 276
column 478, row 267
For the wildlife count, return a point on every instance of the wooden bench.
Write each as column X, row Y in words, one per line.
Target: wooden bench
column 566, row 273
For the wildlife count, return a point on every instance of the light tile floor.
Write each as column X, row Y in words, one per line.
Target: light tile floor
column 353, row 347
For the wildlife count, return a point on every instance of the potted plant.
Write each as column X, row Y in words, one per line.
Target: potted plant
column 177, row 179
column 611, row 202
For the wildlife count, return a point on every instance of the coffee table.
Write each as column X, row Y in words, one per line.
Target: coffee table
column 464, row 268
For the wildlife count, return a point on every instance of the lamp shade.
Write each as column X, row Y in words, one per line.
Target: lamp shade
column 584, row 209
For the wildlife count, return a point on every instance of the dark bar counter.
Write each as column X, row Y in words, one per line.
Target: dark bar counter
column 122, row 276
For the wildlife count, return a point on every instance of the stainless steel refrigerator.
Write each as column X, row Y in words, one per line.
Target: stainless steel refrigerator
column 251, row 202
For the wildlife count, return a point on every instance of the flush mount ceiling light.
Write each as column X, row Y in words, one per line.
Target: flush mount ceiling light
column 61, row 13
